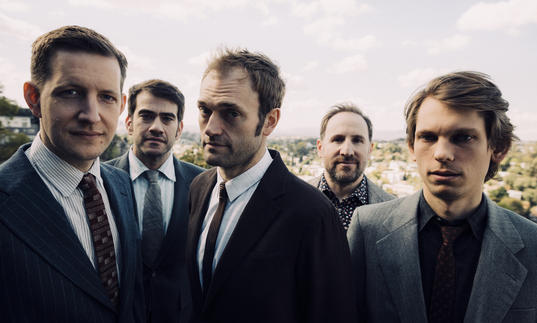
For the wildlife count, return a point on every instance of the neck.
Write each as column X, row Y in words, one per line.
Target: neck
column 234, row 171
column 342, row 190
column 153, row 162
column 452, row 210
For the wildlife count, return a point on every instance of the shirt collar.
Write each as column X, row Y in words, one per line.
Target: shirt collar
column 238, row 185
column 476, row 220
column 137, row 168
column 63, row 176
column 359, row 192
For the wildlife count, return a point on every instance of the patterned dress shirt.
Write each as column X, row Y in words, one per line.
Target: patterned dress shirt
column 346, row 207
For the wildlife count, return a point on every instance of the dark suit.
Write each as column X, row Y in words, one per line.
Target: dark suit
column 384, row 246
column 286, row 261
column 167, row 293
column 45, row 274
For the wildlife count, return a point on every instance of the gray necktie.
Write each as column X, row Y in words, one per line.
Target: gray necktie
column 152, row 227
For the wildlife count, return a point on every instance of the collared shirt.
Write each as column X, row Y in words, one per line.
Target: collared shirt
column 239, row 190
column 346, row 207
column 140, row 184
column 466, row 250
column 62, row 180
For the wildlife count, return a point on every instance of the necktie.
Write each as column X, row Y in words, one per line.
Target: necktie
column 152, row 227
column 443, row 294
column 103, row 243
column 210, row 243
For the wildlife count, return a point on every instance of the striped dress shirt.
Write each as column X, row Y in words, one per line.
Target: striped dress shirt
column 62, row 180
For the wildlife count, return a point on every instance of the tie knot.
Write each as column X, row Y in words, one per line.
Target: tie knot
column 152, row 176
column 451, row 233
column 87, row 183
column 222, row 194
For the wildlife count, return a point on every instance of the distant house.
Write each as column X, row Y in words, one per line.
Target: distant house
column 22, row 122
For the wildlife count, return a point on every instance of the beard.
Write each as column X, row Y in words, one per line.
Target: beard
column 346, row 175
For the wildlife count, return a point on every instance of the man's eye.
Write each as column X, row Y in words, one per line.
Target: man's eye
column 462, row 138
column 427, row 137
column 204, row 110
column 337, row 139
column 108, row 98
column 69, row 93
column 233, row 114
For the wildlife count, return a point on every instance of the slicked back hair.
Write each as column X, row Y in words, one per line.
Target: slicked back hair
column 160, row 89
column 264, row 77
column 473, row 91
column 70, row 39
column 345, row 107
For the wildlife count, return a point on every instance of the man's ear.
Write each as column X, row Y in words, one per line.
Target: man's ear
column 123, row 102
column 271, row 120
column 128, row 124
column 32, row 98
column 319, row 147
column 179, row 130
column 411, row 150
column 498, row 156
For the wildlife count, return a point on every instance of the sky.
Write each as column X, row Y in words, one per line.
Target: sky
column 375, row 54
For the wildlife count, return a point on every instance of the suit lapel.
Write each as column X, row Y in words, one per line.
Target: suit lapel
column 499, row 275
column 258, row 214
column 117, row 195
column 35, row 216
column 175, row 234
column 398, row 254
column 200, row 193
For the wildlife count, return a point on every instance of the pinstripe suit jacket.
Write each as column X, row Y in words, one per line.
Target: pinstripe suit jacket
column 45, row 275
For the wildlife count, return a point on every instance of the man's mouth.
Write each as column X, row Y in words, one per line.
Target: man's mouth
column 86, row 133
column 444, row 174
column 155, row 139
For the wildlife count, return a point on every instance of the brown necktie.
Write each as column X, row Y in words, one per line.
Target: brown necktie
column 210, row 243
column 103, row 244
column 443, row 294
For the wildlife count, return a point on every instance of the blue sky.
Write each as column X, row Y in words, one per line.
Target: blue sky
column 372, row 53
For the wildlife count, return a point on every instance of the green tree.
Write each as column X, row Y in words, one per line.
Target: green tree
column 513, row 205
column 10, row 142
column 498, row 194
column 117, row 147
column 195, row 156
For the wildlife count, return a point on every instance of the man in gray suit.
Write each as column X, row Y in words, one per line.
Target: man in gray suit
column 344, row 147
column 448, row 253
column 155, row 115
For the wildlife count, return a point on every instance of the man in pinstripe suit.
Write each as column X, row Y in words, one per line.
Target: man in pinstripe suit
column 68, row 243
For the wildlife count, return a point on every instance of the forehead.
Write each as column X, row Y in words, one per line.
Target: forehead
column 437, row 116
column 346, row 123
column 147, row 101
column 232, row 87
column 86, row 68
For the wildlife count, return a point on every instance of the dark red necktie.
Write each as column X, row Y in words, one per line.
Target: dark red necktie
column 210, row 243
column 103, row 244
column 443, row 293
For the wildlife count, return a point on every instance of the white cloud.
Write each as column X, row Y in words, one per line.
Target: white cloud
column 504, row 15
column 137, row 62
column 311, row 65
column 349, row 64
column 200, row 60
column 11, row 79
column 419, row 77
column 362, row 44
column 18, row 28
column 452, row 43
column 13, row 6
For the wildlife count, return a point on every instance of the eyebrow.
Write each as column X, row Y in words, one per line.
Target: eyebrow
column 224, row 105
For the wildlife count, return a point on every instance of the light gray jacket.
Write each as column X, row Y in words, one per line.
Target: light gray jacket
column 384, row 246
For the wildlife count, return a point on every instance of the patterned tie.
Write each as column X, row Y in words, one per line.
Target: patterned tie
column 152, row 227
column 210, row 243
column 103, row 244
column 443, row 294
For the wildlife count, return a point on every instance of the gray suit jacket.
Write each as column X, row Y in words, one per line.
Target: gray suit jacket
column 166, row 286
column 375, row 194
column 384, row 246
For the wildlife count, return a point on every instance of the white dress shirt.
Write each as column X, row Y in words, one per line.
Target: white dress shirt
column 166, row 180
column 239, row 190
column 62, row 180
